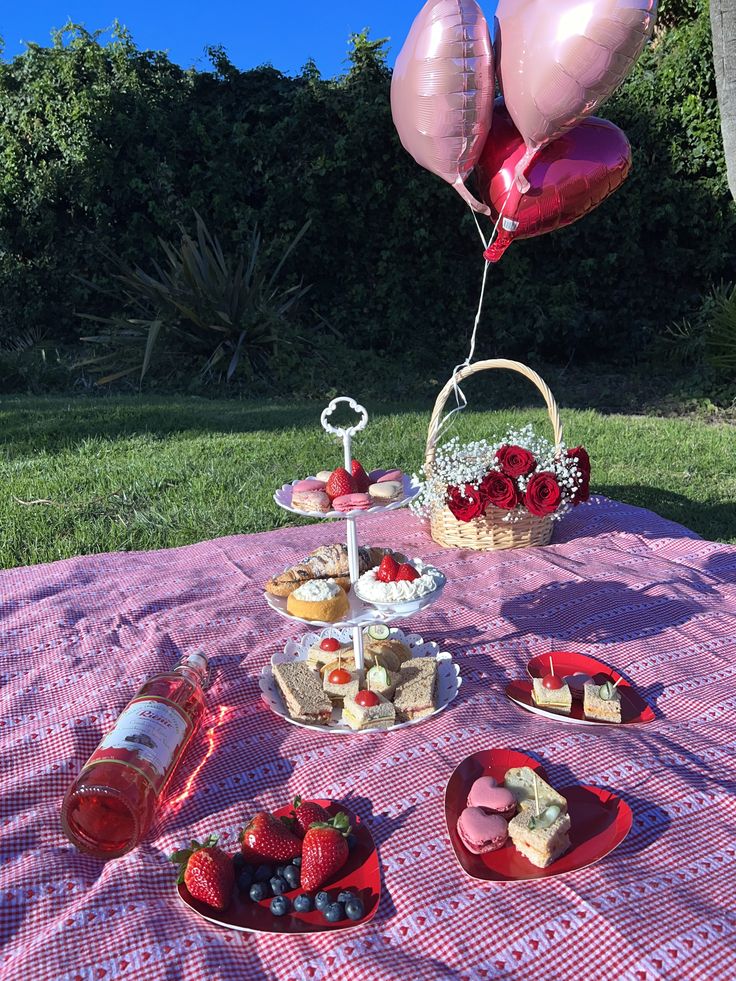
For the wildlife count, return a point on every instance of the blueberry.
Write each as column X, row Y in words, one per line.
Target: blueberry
column 292, row 875
column 258, row 891
column 279, row 905
column 239, row 863
column 263, row 873
column 280, row 870
column 278, row 885
column 345, row 896
column 297, row 861
column 334, row 913
column 303, row 903
column 245, row 880
column 352, row 842
column 354, row 909
column 321, row 901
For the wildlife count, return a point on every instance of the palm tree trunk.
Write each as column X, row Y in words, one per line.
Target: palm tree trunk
column 723, row 26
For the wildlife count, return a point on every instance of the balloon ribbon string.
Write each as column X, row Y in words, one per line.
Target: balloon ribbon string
column 461, row 401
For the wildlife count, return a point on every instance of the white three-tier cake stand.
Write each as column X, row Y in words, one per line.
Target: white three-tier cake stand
column 360, row 614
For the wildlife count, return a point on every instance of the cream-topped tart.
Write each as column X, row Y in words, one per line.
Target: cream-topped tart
column 318, row 599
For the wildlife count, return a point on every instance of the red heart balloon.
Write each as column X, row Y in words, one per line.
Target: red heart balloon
column 568, row 177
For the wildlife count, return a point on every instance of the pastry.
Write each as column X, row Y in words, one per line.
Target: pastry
column 338, row 682
column 489, row 797
column 326, row 651
column 311, row 501
column 390, row 653
column 386, row 492
column 521, row 780
column 602, row 702
column 352, row 502
column 325, row 562
column 551, row 692
column 395, row 476
column 379, row 640
column 540, row 838
column 481, row 832
column 368, row 710
column 303, row 695
column 415, row 692
column 318, row 599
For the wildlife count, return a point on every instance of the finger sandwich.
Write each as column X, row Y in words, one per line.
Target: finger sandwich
column 381, row 715
column 602, row 702
column 302, row 692
column 539, row 838
column 520, row 781
column 416, row 691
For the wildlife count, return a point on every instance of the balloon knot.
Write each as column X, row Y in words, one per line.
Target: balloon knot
column 495, row 251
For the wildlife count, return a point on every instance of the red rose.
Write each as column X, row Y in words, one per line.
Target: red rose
column 465, row 504
column 499, row 490
column 583, row 465
column 543, row 494
column 515, row 460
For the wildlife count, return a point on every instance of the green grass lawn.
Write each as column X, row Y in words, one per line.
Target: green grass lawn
column 145, row 473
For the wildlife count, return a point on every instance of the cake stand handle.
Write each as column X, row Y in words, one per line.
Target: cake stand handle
column 347, row 434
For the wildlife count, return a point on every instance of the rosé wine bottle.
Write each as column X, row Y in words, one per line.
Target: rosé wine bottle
column 111, row 805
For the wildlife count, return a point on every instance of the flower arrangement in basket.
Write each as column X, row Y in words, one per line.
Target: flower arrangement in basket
column 504, row 494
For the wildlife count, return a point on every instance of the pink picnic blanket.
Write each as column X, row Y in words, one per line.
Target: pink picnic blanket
column 643, row 594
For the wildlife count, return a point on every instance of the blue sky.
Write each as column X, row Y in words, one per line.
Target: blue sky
column 283, row 32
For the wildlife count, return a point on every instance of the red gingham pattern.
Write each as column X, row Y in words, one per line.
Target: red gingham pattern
column 77, row 637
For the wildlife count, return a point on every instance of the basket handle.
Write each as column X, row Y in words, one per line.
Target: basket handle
column 439, row 406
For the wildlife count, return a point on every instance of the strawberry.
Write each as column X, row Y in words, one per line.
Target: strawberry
column 207, row 872
column 308, row 812
column 388, row 569
column 361, row 478
column 325, row 851
column 406, row 573
column 340, row 482
column 267, row 838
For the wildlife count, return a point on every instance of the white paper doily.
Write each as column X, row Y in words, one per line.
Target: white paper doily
column 448, row 679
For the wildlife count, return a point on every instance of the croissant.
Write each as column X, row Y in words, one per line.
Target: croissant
column 325, row 562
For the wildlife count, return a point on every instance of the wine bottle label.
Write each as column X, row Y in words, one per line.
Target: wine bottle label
column 148, row 736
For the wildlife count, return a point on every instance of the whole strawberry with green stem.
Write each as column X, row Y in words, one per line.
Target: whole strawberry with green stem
column 267, row 838
column 325, row 851
column 207, row 872
column 307, row 812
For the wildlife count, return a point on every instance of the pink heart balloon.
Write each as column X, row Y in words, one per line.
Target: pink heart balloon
column 560, row 59
column 443, row 89
column 568, row 177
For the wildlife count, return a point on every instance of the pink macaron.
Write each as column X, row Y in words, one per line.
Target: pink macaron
column 352, row 502
column 375, row 475
column 491, row 798
column 311, row 502
column 481, row 832
column 310, row 484
column 389, row 475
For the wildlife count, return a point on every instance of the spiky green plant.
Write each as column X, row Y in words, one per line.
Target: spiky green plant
column 720, row 333
column 225, row 311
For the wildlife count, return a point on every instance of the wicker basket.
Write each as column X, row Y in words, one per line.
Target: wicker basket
column 490, row 531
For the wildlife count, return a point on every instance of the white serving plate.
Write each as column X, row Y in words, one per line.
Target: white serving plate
column 360, row 613
column 448, row 679
column 283, row 499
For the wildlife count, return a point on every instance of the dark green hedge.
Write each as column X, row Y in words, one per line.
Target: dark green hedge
column 105, row 144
